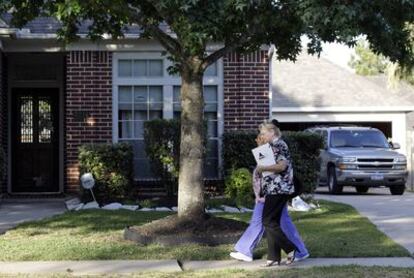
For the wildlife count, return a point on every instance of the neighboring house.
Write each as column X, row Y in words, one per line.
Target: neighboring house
column 315, row 91
column 54, row 98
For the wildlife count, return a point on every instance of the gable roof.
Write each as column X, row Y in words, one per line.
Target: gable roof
column 318, row 83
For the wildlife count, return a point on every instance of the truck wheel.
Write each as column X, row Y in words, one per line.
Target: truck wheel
column 334, row 188
column 397, row 189
column 361, row 189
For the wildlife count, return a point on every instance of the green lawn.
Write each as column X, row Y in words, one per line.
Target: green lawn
column 336, row 230
column 315, row 272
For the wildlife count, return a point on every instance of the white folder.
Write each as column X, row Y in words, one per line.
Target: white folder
column 264, row 156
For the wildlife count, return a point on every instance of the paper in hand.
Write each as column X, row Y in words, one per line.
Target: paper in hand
column 264, row 156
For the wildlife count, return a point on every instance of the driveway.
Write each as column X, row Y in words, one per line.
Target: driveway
column 16, row 211
column 393, row 215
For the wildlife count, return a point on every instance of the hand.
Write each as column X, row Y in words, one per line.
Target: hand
column 260, row 169
column 260, row 200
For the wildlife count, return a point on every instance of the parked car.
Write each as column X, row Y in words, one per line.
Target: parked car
column 360, row 157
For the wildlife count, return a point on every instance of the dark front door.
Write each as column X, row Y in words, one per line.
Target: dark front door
column 35, row 140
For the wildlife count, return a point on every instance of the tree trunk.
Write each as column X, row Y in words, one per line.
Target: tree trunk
column 190, row 180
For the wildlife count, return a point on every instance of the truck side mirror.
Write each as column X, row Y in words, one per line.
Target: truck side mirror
column 395, row 146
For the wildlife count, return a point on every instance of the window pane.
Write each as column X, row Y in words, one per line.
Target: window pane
column 176, row 93
column 177, row 107
column 139, row 129
column 140, row 115
column 210, row 93
column 125, row 94
column 140, row 94
column 141, row 107
column 124, row 68
column 155, row 93
column 177, row 115
column 155, row 106
column 125, row 114
column 212, row 128
column 211, row 116
column 155, row 115
column 155, row 68
column 211, row 168
column 140, row 68
column 212, row 149
column 210, row 107
column 125, row 129
column 211, row 70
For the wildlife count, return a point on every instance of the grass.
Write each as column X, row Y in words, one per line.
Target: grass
column 315, row 272
column 336, row 230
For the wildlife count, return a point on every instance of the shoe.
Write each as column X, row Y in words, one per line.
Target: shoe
column 241, row 257
column 271, row 263
column 292, row 257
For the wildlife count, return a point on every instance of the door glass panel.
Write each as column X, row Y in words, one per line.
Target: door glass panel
column 45, row 121
column 26, row 114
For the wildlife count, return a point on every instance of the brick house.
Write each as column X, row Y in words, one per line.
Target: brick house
column 54, row 98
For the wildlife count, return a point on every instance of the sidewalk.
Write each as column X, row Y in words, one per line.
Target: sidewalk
column 130, row 266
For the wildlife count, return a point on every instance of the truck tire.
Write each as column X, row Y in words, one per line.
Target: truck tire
column 333, row 186
column 361, row 188
column 397, row 189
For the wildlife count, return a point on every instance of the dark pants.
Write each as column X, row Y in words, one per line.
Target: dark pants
column 276, row 239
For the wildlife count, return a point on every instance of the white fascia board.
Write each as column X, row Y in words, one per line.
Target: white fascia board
column 344, row 109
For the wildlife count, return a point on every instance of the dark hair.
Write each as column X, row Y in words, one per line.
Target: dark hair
column 276, row 123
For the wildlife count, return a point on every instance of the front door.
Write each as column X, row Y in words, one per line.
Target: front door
column 35, row 140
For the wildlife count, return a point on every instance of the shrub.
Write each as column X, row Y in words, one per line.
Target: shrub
column 304, row 148
column 162, row 146
column 112, row 167
column 239, row 186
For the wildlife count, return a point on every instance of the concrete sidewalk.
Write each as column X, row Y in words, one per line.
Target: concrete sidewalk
column 392, row 214
column 16, row 211
column 130, row 266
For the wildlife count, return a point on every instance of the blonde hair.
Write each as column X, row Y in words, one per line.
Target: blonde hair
column 269, row 126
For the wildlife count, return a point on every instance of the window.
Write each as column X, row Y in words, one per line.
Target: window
column 143, row 90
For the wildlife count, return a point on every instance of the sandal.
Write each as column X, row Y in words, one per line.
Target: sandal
column 291, row 258
column 271, row 263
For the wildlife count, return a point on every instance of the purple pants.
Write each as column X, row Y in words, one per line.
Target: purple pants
column 253, row 234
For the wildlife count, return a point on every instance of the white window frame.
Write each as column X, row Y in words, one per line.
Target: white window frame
column 167, row 82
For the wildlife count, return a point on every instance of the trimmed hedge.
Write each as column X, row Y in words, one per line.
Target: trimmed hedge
column 112, row 167
column 304, row 148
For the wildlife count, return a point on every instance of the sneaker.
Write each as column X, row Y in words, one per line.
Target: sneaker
column 292, row 257
column 298, row 259
column 241, row 257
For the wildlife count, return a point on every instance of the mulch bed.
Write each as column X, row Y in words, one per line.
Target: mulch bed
column 171, row 230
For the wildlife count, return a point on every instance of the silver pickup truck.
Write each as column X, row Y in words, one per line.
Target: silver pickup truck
column 360, row 157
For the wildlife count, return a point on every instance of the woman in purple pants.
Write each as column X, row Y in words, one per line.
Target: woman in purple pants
column 252, row 236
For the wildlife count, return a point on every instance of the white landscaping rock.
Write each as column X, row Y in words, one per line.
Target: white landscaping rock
column 174, row 209
column 146, row 209
column 244, row 209
column 91, row 205
column 162, row 209
column 130, row 207
column 79, row 207
column 112, row 206
column 72, row 202
column 213, row 210
column 230, row 209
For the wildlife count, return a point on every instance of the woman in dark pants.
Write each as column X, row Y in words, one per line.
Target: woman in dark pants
column 277, row 188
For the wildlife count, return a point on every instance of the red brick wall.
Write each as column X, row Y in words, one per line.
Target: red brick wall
column 88, row 107
column 246, row 90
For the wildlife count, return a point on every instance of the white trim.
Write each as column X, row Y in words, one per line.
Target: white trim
column 344, row 109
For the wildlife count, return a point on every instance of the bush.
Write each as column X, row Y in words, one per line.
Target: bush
column 162, row 146
column 112, row 167
column 304, row 148
column 239, row 187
